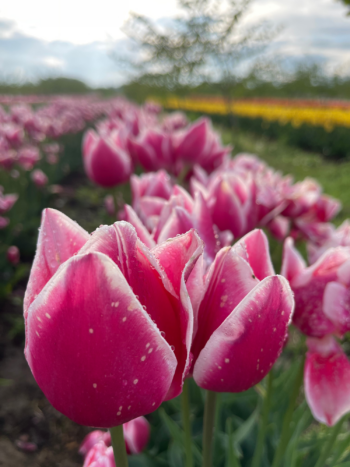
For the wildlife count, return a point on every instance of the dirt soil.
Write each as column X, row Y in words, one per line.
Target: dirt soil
column 27, row 419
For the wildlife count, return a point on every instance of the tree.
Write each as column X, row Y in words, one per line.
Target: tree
column 206, row 43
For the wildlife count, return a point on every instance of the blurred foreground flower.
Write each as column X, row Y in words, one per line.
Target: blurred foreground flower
column 136, row 435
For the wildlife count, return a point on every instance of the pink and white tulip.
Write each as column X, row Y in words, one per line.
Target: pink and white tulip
column 91, row 299
column 105, row 163
column 310, row 285
column 242, row 318
column 327, row 380
column 136, row 436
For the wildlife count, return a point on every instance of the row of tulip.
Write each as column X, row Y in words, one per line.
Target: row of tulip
column 161, row 295
column 319, row 113
column 31, row 139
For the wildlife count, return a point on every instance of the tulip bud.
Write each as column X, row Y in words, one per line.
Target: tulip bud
column 109, row 205
column 39, row 178
column 13, row 255
column 105, row 163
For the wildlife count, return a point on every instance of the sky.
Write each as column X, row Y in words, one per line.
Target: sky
column 75, row 38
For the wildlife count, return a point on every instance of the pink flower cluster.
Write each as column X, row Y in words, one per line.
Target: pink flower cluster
column 6, row 203
column 146, row 318
column 23, row 128
column 96, row 447
column 322, row 312
column 133, row 136
column 232, row 201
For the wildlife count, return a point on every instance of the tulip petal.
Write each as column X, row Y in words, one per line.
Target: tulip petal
column 153, row 283
column 177, row 258
column 136, row 434
column 226, row 210
column 309, row 286
column 254, row 248
column 204, row 224
column 293, row 263
column 59, row 239
column 327, row 380
column 179, row 222
column 336, row 305
column 229, row 272
column 142, row 232
column 245, row 346
column 102, row 375
column 344, row 273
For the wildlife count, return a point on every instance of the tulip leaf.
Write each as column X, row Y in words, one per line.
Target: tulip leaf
column 245, row 428
column 177, row 434
column 231, row 457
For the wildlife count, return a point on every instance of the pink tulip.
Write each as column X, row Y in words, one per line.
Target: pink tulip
column 327, row 380
column 4, row 222
column 28, row 156
column 99, row 307
column 136, row 435
column 336, row 237
column 39, row 178
column 243, row 317
column 100, row 456
column 176, row 216
column 174, row 121
column 309, row 285
column 7, row 201
column 13, row 255
column 105, row 163
column 109, row 205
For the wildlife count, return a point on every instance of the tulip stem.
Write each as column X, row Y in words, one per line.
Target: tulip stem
column 185, row 405
column 208, row 427
column 263, row 422
column 119, row 448
column 285, row 434
column 329, row 444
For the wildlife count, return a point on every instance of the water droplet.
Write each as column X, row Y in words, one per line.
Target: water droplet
column 162, row 333
column 172, row 348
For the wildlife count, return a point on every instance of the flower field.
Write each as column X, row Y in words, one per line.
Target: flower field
column 323, row 120
column 184, row 303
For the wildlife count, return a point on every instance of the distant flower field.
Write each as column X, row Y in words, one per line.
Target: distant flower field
column 325, row 113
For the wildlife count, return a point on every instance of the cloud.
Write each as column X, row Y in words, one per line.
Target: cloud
column 43, row 44
column 25, row 57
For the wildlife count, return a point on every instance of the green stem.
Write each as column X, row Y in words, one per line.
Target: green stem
column 119, row 448
column 263, row 422
column 329, row 444
column 185, row 406
column 208, row 428
column 285, row 434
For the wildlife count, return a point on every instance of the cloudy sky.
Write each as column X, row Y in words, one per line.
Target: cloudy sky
column 75, row 37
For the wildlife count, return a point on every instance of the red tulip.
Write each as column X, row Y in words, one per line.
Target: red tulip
column 116, row 327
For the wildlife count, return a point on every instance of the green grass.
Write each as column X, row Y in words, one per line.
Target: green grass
column 334, row 177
